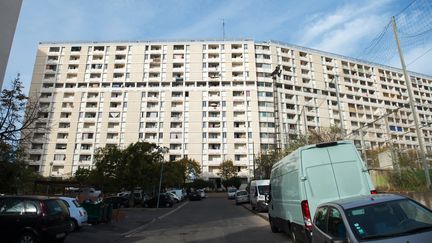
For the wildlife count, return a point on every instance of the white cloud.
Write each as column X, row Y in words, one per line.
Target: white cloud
column 346, row 39
column 416, row 60
column 341, row 30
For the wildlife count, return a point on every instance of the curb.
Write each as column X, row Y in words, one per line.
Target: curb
column 255, row 212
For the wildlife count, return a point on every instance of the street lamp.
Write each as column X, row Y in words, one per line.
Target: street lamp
column 163, row 150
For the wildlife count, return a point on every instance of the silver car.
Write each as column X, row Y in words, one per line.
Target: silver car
column 241, row 196
column 375, row 218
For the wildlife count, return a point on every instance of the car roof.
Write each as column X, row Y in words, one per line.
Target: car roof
column 34, row 197
column 364, row 200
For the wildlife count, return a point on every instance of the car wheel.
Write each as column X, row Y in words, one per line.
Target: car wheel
column 253, row 207
column 146, row 205
column 167, row 205
column 273, row 227
column 28, row 237
column 73, row 225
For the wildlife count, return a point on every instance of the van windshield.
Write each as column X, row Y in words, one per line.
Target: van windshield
column 263, row 190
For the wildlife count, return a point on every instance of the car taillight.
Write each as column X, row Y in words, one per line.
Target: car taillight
column 373, row 192
column 306, row 215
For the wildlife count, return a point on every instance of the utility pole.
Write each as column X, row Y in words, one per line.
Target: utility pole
column 275, row 74
column 339, row 105
column 363, row 146
column 413, row 107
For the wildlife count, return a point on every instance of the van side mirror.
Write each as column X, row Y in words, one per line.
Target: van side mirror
column 267, row 198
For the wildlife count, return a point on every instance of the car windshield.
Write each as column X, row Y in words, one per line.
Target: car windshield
column 232, row 190
column 241, row 193
column 389, row 219
column 263, row 189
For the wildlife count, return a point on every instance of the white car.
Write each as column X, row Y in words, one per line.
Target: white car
column 231, row 192
column 77, row 213
column 202, row 193
column 174, row 196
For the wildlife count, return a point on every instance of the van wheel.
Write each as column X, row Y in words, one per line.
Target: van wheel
column 253, row 207
column 273, row 227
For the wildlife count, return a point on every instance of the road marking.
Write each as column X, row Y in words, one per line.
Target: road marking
column 142, row 227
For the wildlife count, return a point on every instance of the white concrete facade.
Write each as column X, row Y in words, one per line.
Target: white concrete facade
column 210, row 100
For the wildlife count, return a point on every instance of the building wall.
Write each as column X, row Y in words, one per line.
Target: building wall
column 210, row 100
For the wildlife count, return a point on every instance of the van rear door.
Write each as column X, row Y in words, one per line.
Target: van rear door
column 351, row 176
column 318, row 177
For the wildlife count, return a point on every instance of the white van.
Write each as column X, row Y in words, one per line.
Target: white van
column 312, row 175
column 258, row 191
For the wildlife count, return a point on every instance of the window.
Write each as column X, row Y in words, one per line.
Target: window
column 11, row 207
column 59, row 157
column 321, row 217
column 335, row 224
column 76, row 48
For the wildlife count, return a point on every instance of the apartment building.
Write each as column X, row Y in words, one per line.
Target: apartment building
column 212, row 100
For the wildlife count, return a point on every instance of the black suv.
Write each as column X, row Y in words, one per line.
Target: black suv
column 33, row 219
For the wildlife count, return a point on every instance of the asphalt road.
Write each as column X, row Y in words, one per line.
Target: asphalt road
column 214, row 219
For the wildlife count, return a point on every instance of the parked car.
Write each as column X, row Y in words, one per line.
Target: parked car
column 258, row 191
column 164, row 201
column 312, row 175
column 117, row 202
column 33, row 219
column 174, row 197
column 179, row 192
column 375, row 218
column 195, row 196
column 231, row 192
column 202, row 193
column 77, row 213
column 241, row 196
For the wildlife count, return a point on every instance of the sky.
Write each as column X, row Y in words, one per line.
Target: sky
column 345, row 27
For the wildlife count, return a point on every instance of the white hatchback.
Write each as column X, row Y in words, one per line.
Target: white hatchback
column 77, row 213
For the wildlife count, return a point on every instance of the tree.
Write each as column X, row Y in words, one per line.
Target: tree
column 227, row 170
column 16, row 176
column 191, row 169
column 18, row 114
column 138, row 165
column 327, row 134
column 265, row 161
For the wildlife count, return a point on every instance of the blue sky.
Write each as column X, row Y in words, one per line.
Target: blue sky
column 343, row 27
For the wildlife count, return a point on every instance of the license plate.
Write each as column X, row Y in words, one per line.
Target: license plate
column 61, row 235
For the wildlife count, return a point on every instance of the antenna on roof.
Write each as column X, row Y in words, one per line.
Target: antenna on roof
column 223, row 29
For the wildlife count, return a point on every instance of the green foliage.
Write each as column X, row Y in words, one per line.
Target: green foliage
column 408, row 180
column 199, row 184
column 232, row 182
column 227, row 170
column 138, row 165
column 16, row 176
column 190, row 168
